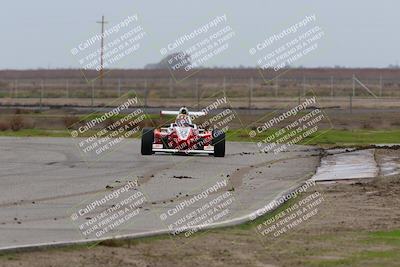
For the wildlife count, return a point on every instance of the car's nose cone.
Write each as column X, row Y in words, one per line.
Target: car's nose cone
column 183, row 132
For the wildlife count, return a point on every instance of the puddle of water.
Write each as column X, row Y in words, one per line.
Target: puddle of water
column 340, row 164
column 390, row 165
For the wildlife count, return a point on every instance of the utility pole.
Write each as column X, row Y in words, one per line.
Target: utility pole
column 102, row 48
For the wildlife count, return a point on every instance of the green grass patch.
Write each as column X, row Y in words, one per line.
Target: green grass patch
column 114, row 117
column 36, row 133
column 365, row 258
column 342, row 137
column 386, row 234
column 385, row 237
column 337, row 137
column 379, row 249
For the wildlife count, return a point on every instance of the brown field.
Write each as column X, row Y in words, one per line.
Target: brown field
column 237, row 83
column 234, row 102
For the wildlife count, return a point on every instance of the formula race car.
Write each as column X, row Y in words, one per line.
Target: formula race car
column 183, row 136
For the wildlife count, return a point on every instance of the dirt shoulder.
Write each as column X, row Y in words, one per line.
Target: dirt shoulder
column 356, row 224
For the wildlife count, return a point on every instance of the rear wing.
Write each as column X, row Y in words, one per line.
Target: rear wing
column 191, row 113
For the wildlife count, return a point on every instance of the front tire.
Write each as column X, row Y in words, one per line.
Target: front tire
column 219, row 143
column 147, row 141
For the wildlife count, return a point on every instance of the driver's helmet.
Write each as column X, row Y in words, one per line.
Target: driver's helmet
column 184, row 111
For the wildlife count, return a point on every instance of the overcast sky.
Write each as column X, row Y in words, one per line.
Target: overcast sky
column 41, row 33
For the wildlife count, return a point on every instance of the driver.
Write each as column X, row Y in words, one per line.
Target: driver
column 183, row 120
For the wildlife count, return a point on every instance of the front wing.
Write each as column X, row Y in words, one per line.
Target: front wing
column 207, row 150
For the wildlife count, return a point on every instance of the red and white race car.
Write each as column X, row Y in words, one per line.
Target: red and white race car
column 183, row 136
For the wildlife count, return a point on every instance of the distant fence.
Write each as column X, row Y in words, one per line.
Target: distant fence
column 248, row 90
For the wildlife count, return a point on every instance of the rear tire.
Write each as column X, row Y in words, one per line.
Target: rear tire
column 147, row 141
column 219, row 143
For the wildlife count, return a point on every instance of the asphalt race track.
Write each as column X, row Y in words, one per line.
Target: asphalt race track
column 47, row 188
